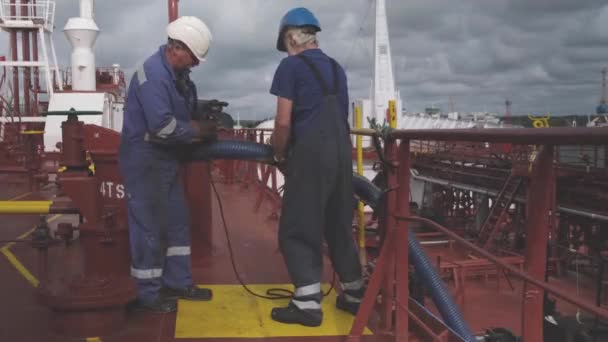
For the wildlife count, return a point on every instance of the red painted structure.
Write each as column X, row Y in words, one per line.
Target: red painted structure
column 97, row 307
column 95, row 303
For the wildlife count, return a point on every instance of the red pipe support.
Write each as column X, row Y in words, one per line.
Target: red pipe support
column 583, row 304
column 540, row 202
column 418, row 322
column 402, row 253
column 373, row 289
column 173, row 10
column 388, row 289
column 390, row 277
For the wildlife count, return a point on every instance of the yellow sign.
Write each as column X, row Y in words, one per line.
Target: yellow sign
column 540, row 122
column 392, row 114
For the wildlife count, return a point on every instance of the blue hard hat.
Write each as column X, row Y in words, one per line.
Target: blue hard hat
column 297, row 17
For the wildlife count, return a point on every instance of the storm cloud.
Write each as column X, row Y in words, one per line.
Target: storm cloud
column 543, row 55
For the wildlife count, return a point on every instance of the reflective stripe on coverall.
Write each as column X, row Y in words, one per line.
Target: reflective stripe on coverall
column 157, row 212
column 318, row 201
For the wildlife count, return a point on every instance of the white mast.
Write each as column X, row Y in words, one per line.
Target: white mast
column 384, row 88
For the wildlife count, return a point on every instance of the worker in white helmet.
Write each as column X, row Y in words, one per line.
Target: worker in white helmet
column 157, row 130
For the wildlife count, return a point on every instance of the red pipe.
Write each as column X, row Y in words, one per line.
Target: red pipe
column 173, row 10
column 27, row 72
column 15, row 57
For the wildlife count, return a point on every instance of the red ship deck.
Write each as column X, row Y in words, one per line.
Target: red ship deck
column 255, row 249
column 258, row 260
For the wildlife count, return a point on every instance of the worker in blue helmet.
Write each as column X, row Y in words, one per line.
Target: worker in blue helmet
column 312, row 147
column 156, row 135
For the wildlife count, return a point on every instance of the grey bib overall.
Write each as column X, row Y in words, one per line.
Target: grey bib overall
column 318, row 197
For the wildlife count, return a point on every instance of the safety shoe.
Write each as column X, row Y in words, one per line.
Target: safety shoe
column 160, row 305
column 294, row 315
column 189, row 293
column 349, row 300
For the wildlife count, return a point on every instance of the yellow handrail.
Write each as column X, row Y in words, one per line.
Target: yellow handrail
column 25, row 207
column 361, row 226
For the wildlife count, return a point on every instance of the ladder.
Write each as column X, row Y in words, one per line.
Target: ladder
column 491, row 225
column 40, row 18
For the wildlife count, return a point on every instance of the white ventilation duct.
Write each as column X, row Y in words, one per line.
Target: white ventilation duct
column 87, row 9
column 82, row 33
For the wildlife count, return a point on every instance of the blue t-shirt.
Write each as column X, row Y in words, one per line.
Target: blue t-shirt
column 294, row 80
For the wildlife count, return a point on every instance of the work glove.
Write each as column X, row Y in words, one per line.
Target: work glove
column 205, row 130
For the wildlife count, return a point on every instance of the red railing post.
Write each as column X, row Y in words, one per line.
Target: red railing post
column 390, row 277
column 540, row 200
column 388, row 288
column 402, row 258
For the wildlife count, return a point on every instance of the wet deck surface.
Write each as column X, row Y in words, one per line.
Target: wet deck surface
column 258, row 260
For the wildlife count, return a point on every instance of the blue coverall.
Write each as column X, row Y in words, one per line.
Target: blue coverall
column 159, row 235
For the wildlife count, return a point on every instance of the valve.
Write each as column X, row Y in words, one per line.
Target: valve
column 65, row 231
column 214, row 110
column 41, row 237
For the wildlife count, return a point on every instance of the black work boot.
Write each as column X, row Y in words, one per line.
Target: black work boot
column 189, row 293
column 292, row 314
column 160, row 305
column 349, row 300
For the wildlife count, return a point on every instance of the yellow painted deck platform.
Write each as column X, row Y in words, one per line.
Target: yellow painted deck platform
column 234, row 313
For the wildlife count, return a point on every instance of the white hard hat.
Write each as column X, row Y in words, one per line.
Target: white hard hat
column 194, row 33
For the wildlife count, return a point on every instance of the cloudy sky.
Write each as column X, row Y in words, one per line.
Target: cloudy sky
column 544, row 55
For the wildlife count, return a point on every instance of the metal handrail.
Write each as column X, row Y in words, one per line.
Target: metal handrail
column 553, row 136
column 521, row 136
column 42, row 10
column 598, row 311
column 355, row 131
